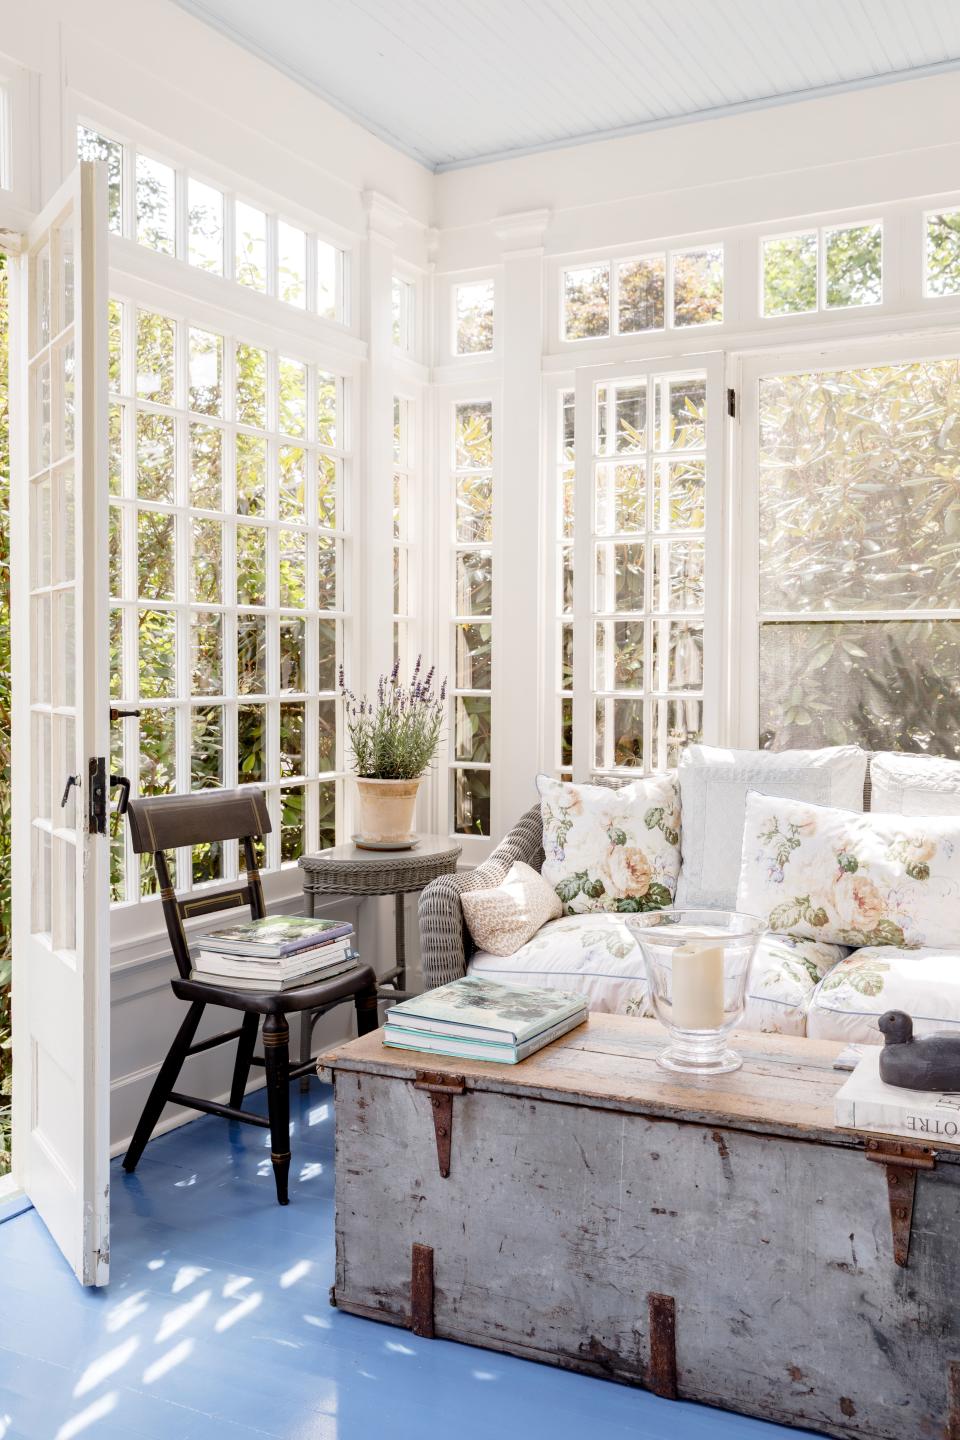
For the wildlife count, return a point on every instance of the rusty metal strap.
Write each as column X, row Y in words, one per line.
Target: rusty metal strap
column 441, row 1088
column 662, row 1371
column 421, row 1291
column 902, row 1161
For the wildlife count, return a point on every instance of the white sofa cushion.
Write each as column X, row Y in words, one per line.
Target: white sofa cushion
column 851, row 879
column 505, row 916
column 713, row 791
column 607, row 849
column 850, row 1000
column 597, row 956
column 914, row 784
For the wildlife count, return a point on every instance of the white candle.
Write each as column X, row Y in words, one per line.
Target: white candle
column 698, row 987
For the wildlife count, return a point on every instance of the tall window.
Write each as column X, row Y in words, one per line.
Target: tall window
column 640, row 691
column 227, row 475
column 472, row 616
column 563, row 584
column 404, row 530
column 859, row 556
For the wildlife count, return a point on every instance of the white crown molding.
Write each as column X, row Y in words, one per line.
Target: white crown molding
column 385, row 218
column 523, row 232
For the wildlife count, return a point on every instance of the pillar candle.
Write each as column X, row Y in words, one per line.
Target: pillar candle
column 698, row 987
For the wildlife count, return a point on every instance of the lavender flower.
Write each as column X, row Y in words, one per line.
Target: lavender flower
column 397, row 738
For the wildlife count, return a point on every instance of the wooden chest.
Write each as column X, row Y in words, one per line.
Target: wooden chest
column 717, row 1240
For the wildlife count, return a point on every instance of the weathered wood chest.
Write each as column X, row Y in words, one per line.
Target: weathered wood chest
column 717, row 1240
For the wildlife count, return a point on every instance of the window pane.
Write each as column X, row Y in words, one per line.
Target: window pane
column 620, row 577
column 678, row 575
column 853, row 265
column 943, row 253
column 698, row 286
column 676, row 724
column 619, row 734
column 681, row 414
column 859, row 472
column 474, row 582
column 474, row 502
column 251, row 230
column 292, row 653
column 474, row 436
column 156, row 351
column 474, row 317
column 206, row 467
column 251, row 654
column 619, row 654
column 251, row 451
column 680, row 495
column 292, row 811
column 472, row 728
column 621, row 498
column 206, row 653
column 293, row 569
column 327, row 570
column 251, row 386
column 641, row 287
column 204, row 226
column 678, row 655
column 327, row 488
column 886, row 684
column 155, row 457
column 251, row 743
column 205, row 393
column 206, row 562
column 206, row 747
column 621, row 418
column 92, row 146
column 293, row 483
column 326, row 408
column 157, row 643
column 586, row 302
column 293, row 396
column 251, row 565
column 473, row 657
column 155, row 555
column 328, row 258
column 471, row 791
column 291, row 739
column 327, row 677
column 292, row 256
column 155, row 204
column 327, row 735
column 790, row 274
column 114, row 344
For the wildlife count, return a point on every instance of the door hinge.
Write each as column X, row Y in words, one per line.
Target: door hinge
column 97, row 803
column 732, row 403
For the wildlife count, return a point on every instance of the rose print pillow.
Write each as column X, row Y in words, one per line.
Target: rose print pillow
column 608, row 849
column 851, row 879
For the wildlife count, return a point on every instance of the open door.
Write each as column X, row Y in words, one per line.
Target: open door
column 60, row 662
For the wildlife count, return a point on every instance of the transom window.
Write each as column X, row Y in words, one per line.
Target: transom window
column 473, row 317
column 942, row 253
column 404, row 529
column 183, row 215
column 837, row 267
column 228, row 482
column 629, row 297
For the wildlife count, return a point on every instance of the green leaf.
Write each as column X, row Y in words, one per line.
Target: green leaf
column 570, row 888
column 653, row 817
column 616, row 836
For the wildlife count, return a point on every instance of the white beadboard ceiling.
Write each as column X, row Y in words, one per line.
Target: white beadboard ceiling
column 457, row 82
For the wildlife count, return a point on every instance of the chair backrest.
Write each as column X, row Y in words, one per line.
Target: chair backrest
column 159, row 823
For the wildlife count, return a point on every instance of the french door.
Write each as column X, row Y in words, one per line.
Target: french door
column 61, row 724
column 649, row 601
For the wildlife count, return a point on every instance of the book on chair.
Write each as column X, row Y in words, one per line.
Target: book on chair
column 274, row 954
column 275, row 937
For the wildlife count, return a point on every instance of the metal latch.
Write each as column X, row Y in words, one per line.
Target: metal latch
column 441, row 1088
column 901, row 1160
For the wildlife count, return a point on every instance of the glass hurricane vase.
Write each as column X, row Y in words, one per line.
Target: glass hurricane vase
column 697, row 964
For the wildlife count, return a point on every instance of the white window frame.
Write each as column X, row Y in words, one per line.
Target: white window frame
column 715, row 548
column 744, row 553
column 613, row 262
column 455, row 287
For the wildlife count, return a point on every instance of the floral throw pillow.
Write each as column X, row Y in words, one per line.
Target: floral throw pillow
column 611, row 849
column 851, row 879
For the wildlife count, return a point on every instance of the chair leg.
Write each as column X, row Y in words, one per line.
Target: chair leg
column 368, row 1015
column 276, row 1055
column 164, row 1083
column 306, row 1042
column 241, row 1068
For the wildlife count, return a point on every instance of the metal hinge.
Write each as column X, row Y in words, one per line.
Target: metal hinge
column 901, row 1160
column 732, row 403
column 441, row 1088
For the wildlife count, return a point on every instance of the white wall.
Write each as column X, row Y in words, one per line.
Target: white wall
column 157, row 75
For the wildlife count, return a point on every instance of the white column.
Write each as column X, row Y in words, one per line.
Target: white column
column 519, row 538
column 374, row 601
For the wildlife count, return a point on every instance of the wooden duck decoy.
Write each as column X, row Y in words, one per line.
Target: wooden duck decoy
column 926, row 1062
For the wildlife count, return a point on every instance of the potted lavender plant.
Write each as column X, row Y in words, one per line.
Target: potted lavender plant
column 393, row 743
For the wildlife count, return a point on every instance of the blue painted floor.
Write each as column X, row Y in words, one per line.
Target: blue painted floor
column 216, row 1323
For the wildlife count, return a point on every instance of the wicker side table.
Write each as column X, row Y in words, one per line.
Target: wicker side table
column 349, row 870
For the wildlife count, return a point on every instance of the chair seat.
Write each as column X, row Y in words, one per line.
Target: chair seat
column 278, row 1002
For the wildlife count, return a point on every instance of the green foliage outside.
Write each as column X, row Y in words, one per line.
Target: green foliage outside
column 5, row 937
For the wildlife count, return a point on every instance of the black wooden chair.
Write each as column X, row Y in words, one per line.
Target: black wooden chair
column 163, row 823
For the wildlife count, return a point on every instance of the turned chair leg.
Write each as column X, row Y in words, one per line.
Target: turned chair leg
column 368, row 1014
column 241, row 1067
column 276, row 1055
column 164, row 1083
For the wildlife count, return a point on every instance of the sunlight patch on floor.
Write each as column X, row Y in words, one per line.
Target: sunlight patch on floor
column 105, row 1365
column 168, row 1362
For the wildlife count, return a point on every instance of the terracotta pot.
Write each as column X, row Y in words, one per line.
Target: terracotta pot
column 386, row 809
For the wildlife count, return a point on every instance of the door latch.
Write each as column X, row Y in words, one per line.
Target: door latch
column 71, row 781
column 97, row 803
column 121, row 783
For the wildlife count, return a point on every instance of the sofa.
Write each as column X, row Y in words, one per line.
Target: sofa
column 797, row 986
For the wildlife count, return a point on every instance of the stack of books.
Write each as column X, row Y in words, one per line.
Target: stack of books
column 866, row 1102
column 277, row 953
column 480, row 1019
